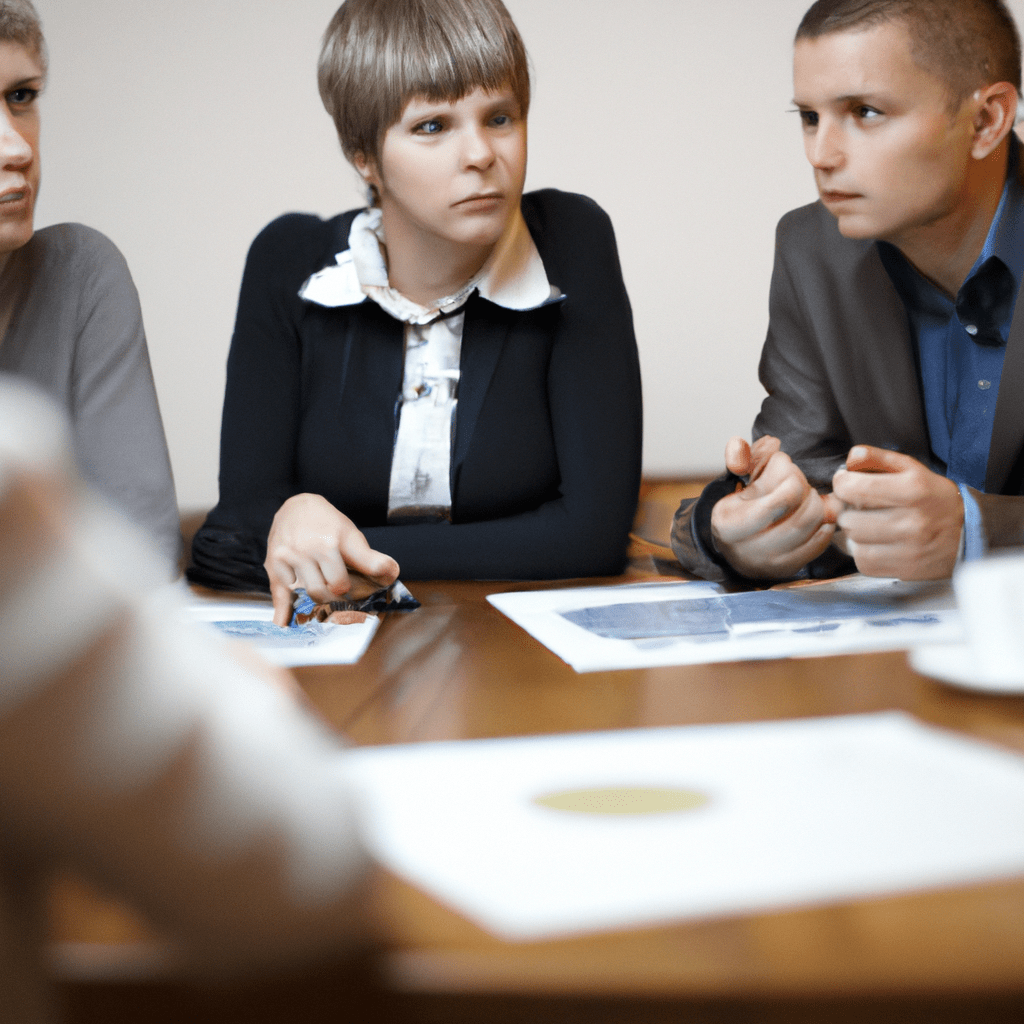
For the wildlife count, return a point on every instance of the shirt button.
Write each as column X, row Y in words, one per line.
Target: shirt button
column 971, row 329
column 984, row 385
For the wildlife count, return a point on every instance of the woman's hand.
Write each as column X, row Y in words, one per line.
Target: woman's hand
column 313, row 546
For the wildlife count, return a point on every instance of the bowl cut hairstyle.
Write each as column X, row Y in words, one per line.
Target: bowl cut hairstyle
column 966, row 44
column 19, row 23
column 378, row 54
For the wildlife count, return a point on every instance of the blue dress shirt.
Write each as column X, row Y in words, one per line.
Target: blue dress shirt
column 960, row 347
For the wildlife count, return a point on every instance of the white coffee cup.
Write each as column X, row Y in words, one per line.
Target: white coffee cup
column 990, row 596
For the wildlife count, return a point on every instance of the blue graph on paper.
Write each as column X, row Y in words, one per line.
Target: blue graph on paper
column 724, row 616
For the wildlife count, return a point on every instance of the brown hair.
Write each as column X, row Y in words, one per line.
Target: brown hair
column 378, row 54
column 965, row 43
column 19, row 23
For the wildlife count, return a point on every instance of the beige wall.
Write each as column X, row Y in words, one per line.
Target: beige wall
column 180, row 128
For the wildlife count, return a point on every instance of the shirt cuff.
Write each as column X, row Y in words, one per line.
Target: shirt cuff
column 972, row 546
column 700, row 523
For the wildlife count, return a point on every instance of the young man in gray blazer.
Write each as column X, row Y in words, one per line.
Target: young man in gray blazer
column 892, row 437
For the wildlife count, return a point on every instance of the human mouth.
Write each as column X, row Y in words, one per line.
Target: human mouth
column 15, row 198
column 482, row 199
column 833, row 196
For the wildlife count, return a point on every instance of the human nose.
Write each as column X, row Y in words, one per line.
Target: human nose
column 824, row 146
column 14, row 149
column 477, row 149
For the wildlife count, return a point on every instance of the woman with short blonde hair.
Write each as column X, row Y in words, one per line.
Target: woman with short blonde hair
column 448, row 379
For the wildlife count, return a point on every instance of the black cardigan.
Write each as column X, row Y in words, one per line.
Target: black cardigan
column 546, row 455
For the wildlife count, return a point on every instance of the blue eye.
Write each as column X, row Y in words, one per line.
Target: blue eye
column 501, row 120
column 22, row 97
column 431, row 127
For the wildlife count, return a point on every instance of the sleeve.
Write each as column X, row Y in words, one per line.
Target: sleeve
column 260, row 420
column 1002, row 520
column 594, row 396
column 135, row 748
column 799, row 409
column 119, row 435
column 691, row 533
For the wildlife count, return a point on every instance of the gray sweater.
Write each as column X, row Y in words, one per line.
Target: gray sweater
column 74, row 328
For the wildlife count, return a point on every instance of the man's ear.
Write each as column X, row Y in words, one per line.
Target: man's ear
column 994, row 115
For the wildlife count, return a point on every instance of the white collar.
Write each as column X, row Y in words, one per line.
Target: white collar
column 513, row 276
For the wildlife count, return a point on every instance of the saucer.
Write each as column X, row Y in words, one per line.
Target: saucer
column 954, row 663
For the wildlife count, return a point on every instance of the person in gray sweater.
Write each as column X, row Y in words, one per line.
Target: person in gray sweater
column 69, row 313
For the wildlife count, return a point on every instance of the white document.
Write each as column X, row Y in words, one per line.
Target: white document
column 648, row 624
column 791, row 813
column 324, row 644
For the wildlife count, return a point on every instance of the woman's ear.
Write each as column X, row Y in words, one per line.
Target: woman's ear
column 368, row 172
column 367, row 169
column 994, row 117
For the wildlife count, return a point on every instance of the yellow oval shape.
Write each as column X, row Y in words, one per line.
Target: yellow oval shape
column 624, row 800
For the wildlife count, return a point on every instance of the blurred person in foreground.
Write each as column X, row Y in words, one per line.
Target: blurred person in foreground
column 137, row 749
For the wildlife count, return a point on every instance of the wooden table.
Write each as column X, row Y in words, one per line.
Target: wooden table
column 458, row 669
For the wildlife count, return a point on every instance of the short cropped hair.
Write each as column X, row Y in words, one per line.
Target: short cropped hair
column 19, row 23
column 378, row 54
column 965, row 43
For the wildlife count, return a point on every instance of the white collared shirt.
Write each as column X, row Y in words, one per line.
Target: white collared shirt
column 513, row 277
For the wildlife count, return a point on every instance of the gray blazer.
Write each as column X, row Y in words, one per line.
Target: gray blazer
column 840, row 369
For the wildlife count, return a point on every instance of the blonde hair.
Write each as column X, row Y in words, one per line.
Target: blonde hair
column 378, row 54
column 19, row 23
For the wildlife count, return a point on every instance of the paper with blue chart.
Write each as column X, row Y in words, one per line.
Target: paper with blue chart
column 649, row 624
column 312, row 644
